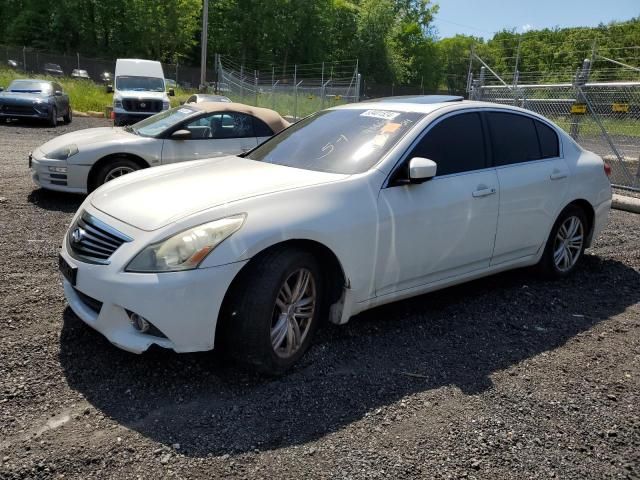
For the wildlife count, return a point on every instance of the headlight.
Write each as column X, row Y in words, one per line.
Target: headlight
column 186, row 250
column 117, row 103
column 166, row 105
column 63, row 153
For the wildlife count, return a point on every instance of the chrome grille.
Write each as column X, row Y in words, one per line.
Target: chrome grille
column 94, row 241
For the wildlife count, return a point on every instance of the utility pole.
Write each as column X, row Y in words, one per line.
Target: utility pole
column 203, row 44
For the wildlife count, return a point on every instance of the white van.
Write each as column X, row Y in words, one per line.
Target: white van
column 138, row 90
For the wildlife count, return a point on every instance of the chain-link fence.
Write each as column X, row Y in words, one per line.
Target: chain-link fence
column 294, row 90
column 603, row 116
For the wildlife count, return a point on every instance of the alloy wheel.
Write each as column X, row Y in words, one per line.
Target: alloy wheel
column 117, row 172
column 293, row 313
column 567, row 246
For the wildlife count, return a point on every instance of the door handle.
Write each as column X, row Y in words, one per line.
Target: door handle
column 483, row 192
column 557, row 175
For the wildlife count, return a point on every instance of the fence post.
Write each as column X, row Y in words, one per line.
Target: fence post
column 358, row 81
column 470, row 73
column 255, row 85
column 295, row 92
column 242, row 82
column 24, row 58
column 322, row 87
column 581, row 78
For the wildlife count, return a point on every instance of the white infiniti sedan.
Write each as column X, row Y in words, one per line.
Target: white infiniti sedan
column 81, row 161
column 350, row 208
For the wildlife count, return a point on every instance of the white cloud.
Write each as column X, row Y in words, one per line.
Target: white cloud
column 526, row 27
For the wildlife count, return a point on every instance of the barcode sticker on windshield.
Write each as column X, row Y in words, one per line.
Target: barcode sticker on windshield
column 384, row 114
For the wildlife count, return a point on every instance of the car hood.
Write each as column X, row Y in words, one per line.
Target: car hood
column 83, row 138
column 153, row 198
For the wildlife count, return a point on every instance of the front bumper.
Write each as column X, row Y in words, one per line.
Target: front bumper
column 183, row 306
column 128, row 118
column 73, row 181
column 29, row 111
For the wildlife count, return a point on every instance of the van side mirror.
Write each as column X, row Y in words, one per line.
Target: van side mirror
column 172, row 92
column 109, row 88
column 58, row 93
column 182, row 134
column 421, row 169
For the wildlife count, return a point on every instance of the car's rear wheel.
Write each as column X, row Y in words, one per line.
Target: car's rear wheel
column 53, row 117
column 273, row 310
column 115, row 169
column 566, row 243
column 68, row 117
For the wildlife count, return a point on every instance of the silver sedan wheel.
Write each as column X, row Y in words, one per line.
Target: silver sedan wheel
column 568, row 244
column 117, row 172
column 293, row 313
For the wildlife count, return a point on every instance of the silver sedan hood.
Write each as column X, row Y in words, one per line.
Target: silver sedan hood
column 89, row 136
column 153, row 198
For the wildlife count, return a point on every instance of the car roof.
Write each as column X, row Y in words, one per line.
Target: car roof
column 270, row 117
column 424, row 99
column 426, row 107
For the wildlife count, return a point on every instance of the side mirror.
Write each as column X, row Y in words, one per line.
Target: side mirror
column 172, row 92
column 421, row 169
column 181, row 134
column 109, row 88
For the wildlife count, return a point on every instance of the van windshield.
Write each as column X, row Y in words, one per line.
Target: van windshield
column 141, row 84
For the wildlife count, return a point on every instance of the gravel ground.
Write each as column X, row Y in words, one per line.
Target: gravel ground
column 508, row 377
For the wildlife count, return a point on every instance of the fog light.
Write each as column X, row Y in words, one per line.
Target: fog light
column 58, row 169
column 139, row 322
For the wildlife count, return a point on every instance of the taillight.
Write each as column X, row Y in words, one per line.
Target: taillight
column 607, row 169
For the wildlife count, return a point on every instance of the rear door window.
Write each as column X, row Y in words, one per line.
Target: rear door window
column 456, row 144
column 513, row 137
column 549, row 145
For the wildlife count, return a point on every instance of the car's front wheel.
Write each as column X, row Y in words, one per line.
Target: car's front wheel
column 115, row 169
column 273, row 310
column 566, row 243
column 53, row 117
column 68, row 117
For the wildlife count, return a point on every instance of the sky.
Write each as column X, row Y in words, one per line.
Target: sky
column 482, row 18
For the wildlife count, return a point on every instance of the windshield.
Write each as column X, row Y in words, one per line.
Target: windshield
column 30, row 86
column 158, row 123
column 149, row 84
column 337, row 141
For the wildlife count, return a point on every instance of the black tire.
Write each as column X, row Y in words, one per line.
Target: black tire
column 68, row 117
column 53, row 117
column 250, row 310
column 106, row 170
column 547, row 265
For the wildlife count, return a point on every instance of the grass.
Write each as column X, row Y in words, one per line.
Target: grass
column 286, row 105
column 84, row 95
column 628, row 127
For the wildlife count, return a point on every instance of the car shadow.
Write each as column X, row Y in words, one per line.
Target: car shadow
column 55, row 201
column 455, row 338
